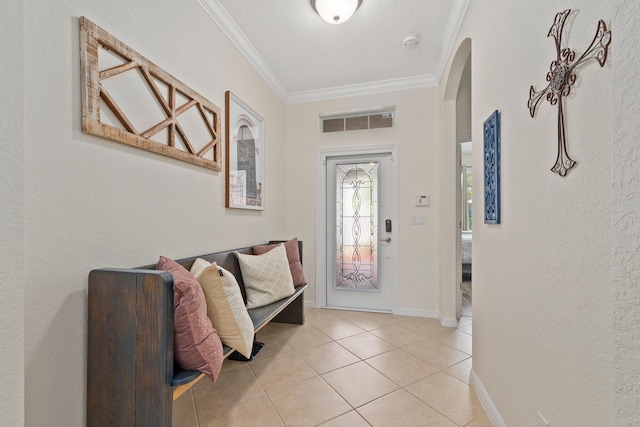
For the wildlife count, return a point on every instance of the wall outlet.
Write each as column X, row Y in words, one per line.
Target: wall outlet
column 542, row 422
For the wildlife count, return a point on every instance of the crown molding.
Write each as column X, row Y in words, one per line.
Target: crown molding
column 458, row 12
column 221, row 17
column 362, row 89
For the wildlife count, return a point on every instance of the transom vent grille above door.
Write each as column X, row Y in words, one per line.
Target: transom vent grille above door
column 359, row 121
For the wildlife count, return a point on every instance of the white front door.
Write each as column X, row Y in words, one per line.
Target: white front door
column 360, row 232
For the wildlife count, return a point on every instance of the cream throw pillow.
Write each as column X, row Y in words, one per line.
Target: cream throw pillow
column 225, row 306
column 267, row 277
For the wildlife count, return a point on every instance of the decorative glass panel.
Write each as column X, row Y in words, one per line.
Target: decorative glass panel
column 333, row 125
column 384, row 120
column 357, row 123
column 357, row 226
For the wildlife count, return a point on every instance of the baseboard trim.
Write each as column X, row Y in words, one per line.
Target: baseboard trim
column 448, row 322
column 418, row 313
column 485, row 399
column 444, row 321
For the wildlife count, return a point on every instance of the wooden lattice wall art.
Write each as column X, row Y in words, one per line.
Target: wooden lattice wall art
column 128, row 99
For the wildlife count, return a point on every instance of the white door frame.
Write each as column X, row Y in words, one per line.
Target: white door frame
column 321, row 209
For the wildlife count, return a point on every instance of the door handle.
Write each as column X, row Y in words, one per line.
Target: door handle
column 388, row 240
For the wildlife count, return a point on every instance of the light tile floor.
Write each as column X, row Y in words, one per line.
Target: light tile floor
column 344, row 368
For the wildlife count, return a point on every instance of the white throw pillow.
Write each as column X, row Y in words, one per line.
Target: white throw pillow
column 267, row 277
column 225, row 306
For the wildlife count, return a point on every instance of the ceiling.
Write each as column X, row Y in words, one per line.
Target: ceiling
column 303, row 58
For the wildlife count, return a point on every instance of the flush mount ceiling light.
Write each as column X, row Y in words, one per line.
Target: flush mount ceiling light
column 335, row 11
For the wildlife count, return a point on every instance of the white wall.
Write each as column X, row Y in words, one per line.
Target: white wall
column 463, row 114
column 626, row 208
column 92, row 203
column 541, row 290
column 416, row 132
column 12, row 289
column 463, row 106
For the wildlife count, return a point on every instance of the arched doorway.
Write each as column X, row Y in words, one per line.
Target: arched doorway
column 464, row 140
column 450, row 189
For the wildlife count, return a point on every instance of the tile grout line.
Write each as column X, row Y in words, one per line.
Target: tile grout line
column 368, row 330
column 193, row 404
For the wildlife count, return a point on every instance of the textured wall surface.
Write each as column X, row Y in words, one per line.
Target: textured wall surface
column 626, row 216
column 92, row 203
column 542, row 299
column 12, row 289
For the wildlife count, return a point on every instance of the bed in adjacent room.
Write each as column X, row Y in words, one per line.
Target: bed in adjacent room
column 466, row 256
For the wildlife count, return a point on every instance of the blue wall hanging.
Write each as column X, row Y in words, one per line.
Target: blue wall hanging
column 492, row 169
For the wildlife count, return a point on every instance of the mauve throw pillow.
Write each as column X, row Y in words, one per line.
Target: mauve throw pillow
column 197, row 345
column 293, row 255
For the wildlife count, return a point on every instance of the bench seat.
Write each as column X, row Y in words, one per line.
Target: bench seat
column 132, row 378
column 260, row 317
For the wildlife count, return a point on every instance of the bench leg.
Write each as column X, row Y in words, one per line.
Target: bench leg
column 257, row 347
column 293, row 313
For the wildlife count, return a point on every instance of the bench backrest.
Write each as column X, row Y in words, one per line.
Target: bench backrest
column 225, row 259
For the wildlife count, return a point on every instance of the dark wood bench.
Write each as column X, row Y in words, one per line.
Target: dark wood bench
column 132, row 379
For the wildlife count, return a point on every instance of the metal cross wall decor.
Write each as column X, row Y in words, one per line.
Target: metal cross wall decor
column 562, row 76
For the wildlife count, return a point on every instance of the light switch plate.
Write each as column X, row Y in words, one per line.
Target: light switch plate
column 423, row 200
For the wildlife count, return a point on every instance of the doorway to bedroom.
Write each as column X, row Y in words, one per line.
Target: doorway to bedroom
column 465, row 162
column 466, row 234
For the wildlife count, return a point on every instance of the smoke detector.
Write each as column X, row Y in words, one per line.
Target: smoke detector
column 411, row 40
